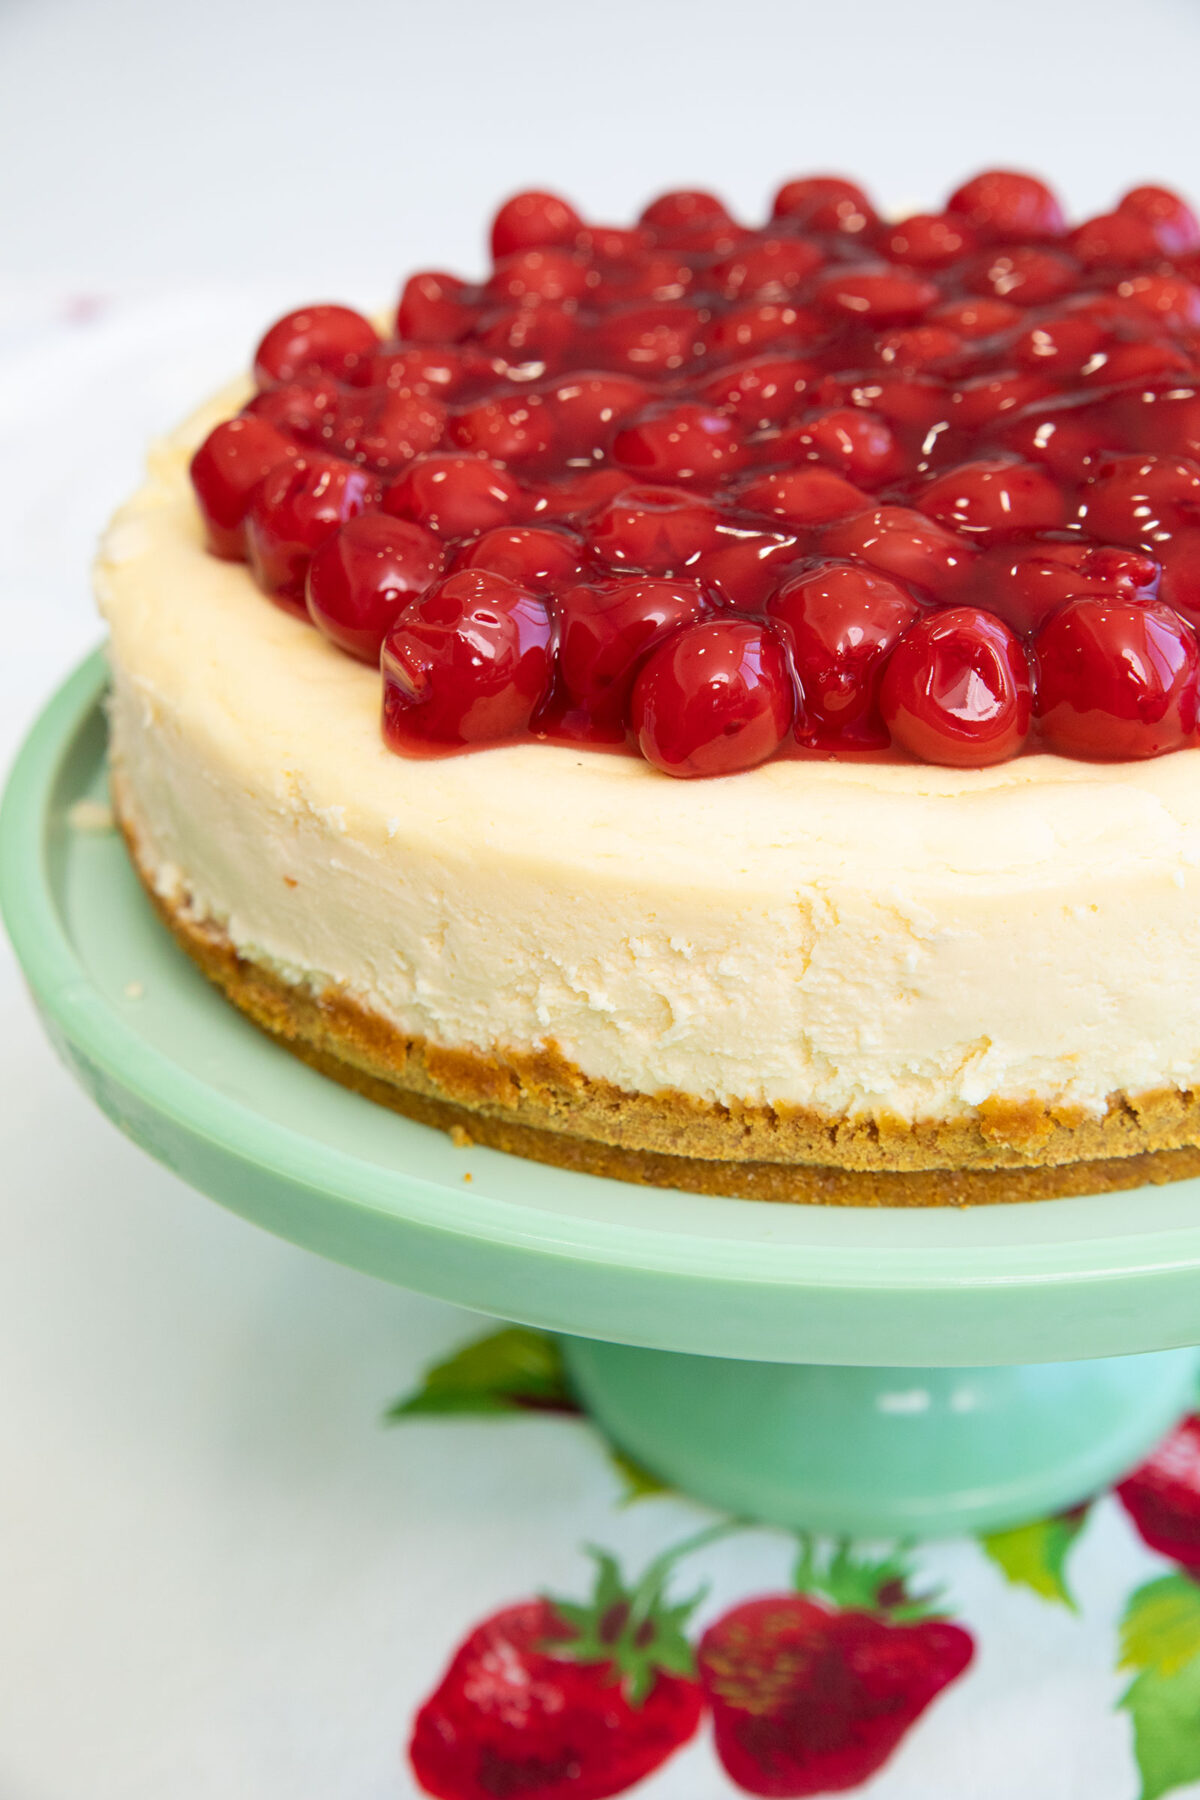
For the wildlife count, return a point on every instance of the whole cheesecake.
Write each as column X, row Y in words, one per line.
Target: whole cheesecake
column 749, row 738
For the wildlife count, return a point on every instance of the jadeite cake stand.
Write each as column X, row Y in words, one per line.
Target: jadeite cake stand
column 846, row 1369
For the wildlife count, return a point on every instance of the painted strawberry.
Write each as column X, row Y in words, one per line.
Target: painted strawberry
column 548, row 1700
column 1163, row 1496
column 811, row 1691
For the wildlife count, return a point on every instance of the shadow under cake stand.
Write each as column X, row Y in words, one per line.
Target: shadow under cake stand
column 852, row 1370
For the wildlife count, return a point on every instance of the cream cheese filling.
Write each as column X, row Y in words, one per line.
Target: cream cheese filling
column 859, row 940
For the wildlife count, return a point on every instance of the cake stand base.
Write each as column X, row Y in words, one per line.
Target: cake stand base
column 882, row 1452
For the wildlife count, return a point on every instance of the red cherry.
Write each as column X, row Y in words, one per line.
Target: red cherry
column 825, row 203
column 545, row 273
column 876, row 294
column 467, row 664
column 649, row 340
column 713, row 699
column 526, row 340
column 226, row 471
column 580, row 496
column 298, row 504
column 530, row 555
column 1023, row 275
column 683, row 210
column 1169, row 298
column 741, row 330
column 434, row 309
column 974, row 319
column 840, row 622
column 1114, row 240
column 332, row 339
column 437, row 370
column 995, row 499
column 1141, row 499
column 512, row 428
column 532, row 219
column 1059, row 346
column 680, row 441
column 455, row 496
column 659, row 530
column 804, row 496
column 302, row 410
column 1001, row 204
column 1172, row 221
column 662, row 275
column 614, row 243
column 587, row 410
column 859, row 445
column 384, row 428
column 918, row 401
column 765, row 391
column 1023, row 585
column 978, row 402
column 920, row 346
column 1117, row 680
column 745, row 568
column 904, row 544
column 362, row 575
column 770, row 266
column 956, row 689
column 607, row 629
column 928, row 241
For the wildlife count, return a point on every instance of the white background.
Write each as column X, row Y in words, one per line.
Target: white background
column 217, row 1576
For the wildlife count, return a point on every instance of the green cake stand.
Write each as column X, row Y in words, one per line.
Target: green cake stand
column 848, row 1370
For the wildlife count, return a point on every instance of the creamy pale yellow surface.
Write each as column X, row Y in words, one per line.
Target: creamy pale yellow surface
column 857, row 939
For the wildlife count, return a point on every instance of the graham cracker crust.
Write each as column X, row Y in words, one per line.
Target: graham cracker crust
column 539, row 1105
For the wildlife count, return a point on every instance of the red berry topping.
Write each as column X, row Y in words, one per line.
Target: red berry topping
column 362, row 575
column 680, row 442
column 825, row 203
column 826, row 431
column 467, row 664
column 607, row 630
column 226, row 471
column 840, row 622
column 995, row 499
column 956, row 689
column 531, row 220
column 1006, row 207
column 298, row 505
column 1172, row 220
column 657, row 530
column 332, row 339
column 715, row 698
column 456, row 496
column 1116, row 680
column 533, row 556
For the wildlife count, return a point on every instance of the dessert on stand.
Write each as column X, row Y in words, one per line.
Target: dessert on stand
column 712, row 710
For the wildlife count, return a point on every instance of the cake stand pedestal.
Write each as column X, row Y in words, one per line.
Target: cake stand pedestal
column 850, row 1370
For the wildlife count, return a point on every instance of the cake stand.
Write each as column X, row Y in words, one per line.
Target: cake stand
column 852, row 1370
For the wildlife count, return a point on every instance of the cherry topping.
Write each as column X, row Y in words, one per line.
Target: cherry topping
column 683, row 210
column 1116, row 680
column 658, row 530
column 928, row 240
column 607, row 630
column 1172, row 220
column 297, row 505
column 456, row 496
column 332, row 339
column 840, row 622
column 906, row 544
column 533, row 556
column 995, row 499
column 540, row 274
column 1141, row 499
column 956, row 689
column 1004, row 206
column 384, row 427
column 533, row 219
column 467, row 664
column 226, row 471
column 804, row 496
column 434, row 308
column 715, row 698
column 825, row 203
column 680, row 442
column 877, row 294
column 362, row 575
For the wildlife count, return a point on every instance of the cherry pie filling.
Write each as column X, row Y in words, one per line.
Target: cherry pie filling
column 711, row 493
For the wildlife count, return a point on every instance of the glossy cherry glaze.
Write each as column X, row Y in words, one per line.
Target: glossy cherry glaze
column 711, row 493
